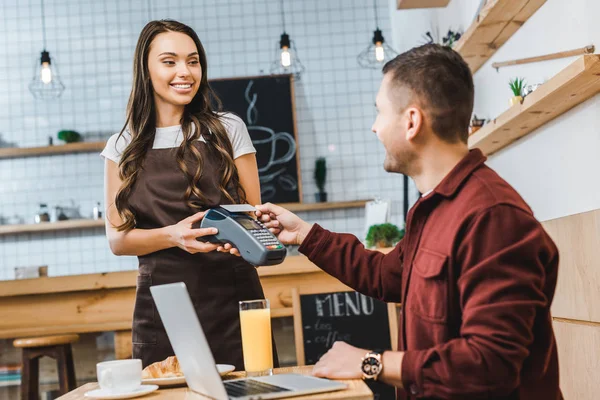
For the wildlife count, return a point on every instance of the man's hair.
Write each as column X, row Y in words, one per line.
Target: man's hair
column 443, row 85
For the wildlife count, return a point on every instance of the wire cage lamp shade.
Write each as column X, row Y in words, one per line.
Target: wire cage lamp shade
column 286, row 60
column 45, row 83
column 378, row 52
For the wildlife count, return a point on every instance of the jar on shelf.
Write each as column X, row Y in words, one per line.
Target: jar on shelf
column 43, row 215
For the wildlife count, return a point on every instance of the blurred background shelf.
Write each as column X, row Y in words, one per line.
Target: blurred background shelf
column 296, row 207
column 408, row 4
column 82, row 147
column 51, row 226
column 497, row 21
column 92, row 223
column 570, row 87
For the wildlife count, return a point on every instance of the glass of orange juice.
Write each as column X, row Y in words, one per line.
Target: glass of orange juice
column 255, row 322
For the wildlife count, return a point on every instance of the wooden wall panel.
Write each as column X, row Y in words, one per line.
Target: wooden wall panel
column 579, row 358
column 578, row 289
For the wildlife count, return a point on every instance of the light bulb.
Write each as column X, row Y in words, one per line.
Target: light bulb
column 46, row 73
column 286, row 59
column 379, row 52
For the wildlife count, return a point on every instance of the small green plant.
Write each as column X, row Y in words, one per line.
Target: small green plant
column 69, row 136
column 320, row 173
column 451, row 38
column 384, row 235
column 517, row 85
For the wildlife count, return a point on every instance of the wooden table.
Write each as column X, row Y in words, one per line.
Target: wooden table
column 357, row 389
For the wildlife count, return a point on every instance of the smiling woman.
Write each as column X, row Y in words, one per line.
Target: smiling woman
column 176, row 157
column 175, row 74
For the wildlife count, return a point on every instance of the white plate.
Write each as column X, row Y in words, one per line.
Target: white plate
column 175, row 380
column 101, row 394
column 225, row 368
column 179, row 380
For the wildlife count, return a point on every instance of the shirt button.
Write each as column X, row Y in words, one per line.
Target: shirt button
column 414, row 389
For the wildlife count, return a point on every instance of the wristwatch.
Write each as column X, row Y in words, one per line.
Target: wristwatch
column 371, row 365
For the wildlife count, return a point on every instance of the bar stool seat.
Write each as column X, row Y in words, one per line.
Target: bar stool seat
column 57, row 347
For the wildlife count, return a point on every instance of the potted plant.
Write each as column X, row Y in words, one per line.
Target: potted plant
column 451, row 38
column 320, row 175
column 476, row 124
column 383, row 235
column 69, row 136
column 516, row 86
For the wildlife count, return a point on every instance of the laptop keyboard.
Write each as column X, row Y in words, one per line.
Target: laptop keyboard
column 250, row 387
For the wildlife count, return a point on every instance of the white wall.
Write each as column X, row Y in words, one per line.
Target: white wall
column 556, row 167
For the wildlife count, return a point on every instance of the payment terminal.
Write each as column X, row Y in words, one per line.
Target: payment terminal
column 255, row 242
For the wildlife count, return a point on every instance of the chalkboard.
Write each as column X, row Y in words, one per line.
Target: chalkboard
column 349, row 317
column 266, row 105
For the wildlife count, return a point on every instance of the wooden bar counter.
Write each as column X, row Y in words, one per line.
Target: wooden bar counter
column 357, row 389
column 104, row 302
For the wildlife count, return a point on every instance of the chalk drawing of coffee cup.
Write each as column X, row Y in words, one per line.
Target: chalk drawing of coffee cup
column 265, row 141
column 285, row 181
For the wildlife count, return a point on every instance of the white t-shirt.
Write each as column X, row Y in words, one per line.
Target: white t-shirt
column 171, row 136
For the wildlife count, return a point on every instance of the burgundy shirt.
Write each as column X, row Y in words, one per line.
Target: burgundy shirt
column 476, row 274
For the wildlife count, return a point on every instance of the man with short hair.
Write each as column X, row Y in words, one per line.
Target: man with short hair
column 475, row 272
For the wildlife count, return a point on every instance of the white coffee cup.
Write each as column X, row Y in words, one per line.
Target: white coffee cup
column 119, row 376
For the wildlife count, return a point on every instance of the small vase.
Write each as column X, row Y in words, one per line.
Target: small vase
column 474, row 129
column 321, row 197
column 515, row 100
column 382, row 244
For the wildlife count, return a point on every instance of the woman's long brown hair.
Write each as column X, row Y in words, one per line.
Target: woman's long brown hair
column 141, row 123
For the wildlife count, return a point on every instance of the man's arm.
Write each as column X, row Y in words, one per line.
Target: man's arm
column 369, row 272
column 343, row 256
column 501, row 287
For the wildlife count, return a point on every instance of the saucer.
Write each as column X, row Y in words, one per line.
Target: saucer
column 180, row 380
column 101, row 394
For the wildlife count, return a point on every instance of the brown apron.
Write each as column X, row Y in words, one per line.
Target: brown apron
column 215, row 281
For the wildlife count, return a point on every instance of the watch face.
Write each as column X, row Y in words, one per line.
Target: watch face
column 371, row 366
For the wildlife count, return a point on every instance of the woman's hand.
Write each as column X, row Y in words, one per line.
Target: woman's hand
column 183, row 236
column 228, row 248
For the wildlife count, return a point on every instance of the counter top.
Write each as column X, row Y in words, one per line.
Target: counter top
column 104, row 302
column 126, row 279
column 357, row 389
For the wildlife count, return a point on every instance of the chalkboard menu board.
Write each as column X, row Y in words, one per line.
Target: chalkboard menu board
column 266, row 105
column 348, row 317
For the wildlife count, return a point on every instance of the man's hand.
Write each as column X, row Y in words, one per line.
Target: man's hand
column 288, row 227
column 342, row 361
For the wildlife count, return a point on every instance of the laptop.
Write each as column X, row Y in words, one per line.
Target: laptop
column 198, row 365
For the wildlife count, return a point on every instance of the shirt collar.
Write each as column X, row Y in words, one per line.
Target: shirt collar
column 465, row 167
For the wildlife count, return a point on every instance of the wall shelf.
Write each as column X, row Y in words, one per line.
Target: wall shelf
column 51, row 226
column 296, row 207
column 409, row 4
column 495, row 24
column 91, row 223
column 570, row 87
column 82, row 147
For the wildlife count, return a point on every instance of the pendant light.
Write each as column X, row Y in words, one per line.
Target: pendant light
column 45, row 83
column 286, row 60
column 378, row 52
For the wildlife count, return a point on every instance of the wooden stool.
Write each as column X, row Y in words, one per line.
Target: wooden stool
column 57, row 347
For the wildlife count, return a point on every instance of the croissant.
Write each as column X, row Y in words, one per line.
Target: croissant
column 167, row 368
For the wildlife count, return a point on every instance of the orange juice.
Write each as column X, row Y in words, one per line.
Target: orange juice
column 256, row 339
